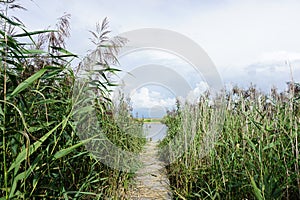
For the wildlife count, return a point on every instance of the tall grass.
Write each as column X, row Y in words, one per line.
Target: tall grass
column 256, row 155
column 42, row 156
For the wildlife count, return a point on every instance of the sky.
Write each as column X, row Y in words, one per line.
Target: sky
column 248, row 40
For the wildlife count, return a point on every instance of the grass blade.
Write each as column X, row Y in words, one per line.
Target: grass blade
column 22, row 155
column 25, row 84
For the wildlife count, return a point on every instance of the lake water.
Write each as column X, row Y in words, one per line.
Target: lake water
column 156, row 131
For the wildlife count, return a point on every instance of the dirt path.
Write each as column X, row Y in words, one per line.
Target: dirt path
column 151, row 181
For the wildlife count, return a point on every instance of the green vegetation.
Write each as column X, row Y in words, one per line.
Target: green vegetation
column 41, row 155
column 151, row 120
column 255, row 154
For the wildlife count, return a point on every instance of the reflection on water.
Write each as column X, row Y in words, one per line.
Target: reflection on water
column 155, row 131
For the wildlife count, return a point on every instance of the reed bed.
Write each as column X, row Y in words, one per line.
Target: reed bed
column 255, row 154
column 42, row 156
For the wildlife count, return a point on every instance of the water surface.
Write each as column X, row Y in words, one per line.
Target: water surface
column 155, row 131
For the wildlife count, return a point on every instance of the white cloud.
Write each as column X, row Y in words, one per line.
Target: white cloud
column 164, row 59
column 193, row 96
column 145, row 98
column 233, row 26
column 235, row 34
column 279, row 56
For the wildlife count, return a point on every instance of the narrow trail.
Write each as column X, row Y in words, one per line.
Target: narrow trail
column 151, row 181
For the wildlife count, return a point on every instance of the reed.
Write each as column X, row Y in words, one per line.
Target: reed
column 42, row 156
column 256, row 155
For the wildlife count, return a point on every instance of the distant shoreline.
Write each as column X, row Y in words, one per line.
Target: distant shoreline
column 151, row 120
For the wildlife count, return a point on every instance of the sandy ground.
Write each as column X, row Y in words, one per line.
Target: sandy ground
column 151, row 181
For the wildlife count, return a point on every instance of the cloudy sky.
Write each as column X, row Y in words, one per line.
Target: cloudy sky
column 248, row 40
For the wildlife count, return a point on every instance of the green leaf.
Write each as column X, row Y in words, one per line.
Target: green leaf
column 251, row 143
column 66, row 151
column 9, row 20
column 33, row 51
column 32, row 148
column 42, row 126
column 64, row 51
column 271, row 145
column 23, row 176
column 33, row 33
column 1, row 111
column 25, row 84
column 257, row 191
